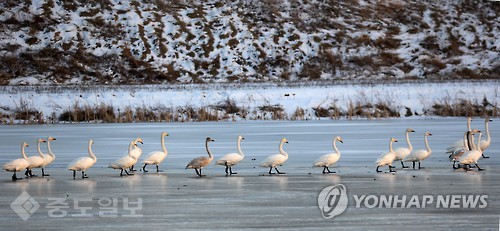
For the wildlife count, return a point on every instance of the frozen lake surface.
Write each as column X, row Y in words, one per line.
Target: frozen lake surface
column 177, row 199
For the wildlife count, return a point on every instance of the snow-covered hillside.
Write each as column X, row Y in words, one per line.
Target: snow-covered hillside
column 158, row 41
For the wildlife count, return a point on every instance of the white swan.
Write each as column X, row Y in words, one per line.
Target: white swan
column 35, row 161
column 486, row 143
column 126, row 161
column 158, row 156
column 83, row 163
column 420, row 155
column 277, row 159
column 202, row 161
column 135, row 153
column 232, row 159
column 468, row 142
column 401, row 152
column 49, row 158
column 459, row 144
column 472, row 156
column 387, row 158
column 17, row 164
column 329, row 159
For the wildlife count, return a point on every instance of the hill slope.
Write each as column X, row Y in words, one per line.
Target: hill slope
column 158, row 41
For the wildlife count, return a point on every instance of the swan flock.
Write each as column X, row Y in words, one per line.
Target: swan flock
column 464, row 153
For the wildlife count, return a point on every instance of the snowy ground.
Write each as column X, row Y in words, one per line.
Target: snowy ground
column 178, row 200
column 419, row 97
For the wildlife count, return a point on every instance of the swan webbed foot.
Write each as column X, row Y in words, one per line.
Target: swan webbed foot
column 485, row 157
column 231, row 171
column 84, row 175
column 390, row 169
column 158, row 170
column 128, row 173
column 480, row 169
column 279, row 171
column 43, row 173
column 420, row 167
column 132, row 168
column 14, row 177
column 403, row 165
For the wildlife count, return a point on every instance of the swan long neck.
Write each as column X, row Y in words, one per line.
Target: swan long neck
column 163, row 144
column 486, row 127
column 282, row 152
column 49, row 149
column 91, row 154
column 390, row 146
column 470, row 141
column 130, row 148
column 466, row 141
column 478, row 147
column 335, row 147
column 40, row 150
column 208, row 150
column 408, row 141
column 468, row 123
column 23, row 152
column 427, row 145
column 238, row 145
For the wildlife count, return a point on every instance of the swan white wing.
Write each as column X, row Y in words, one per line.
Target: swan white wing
column 416, row 155
column 81, row 163
column 484, row 144
column 229, row 159
column 35, row 161
column 155, row 157
column 470, row 157
column 386, row 158
column 16, row 165
column 274, row 160
column 401, row 153
column 326, row 160
column 122, row 163
column 48, row 159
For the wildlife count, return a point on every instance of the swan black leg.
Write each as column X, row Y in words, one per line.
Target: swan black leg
column 84, row 175
column 466, row 167
column 132, row 168
column 327, row 169
column 479, row 169
column 419, row 167
column 403, row 165
column 275, row 168
column 121, row 173
column 227, row 167
column 485, row 157
column 144, row 168
column 27, row 173
column 157, row 169
column 270, row 169
column 390, row 169
column 324, row 169
column 14, row 177
column 198, row 173
column 378, row 169
column 413, row 164
column 128, row 173
column 31, row 173
column 74, row 174
column 454, row 167
column 231, row 171
column 43, row 173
